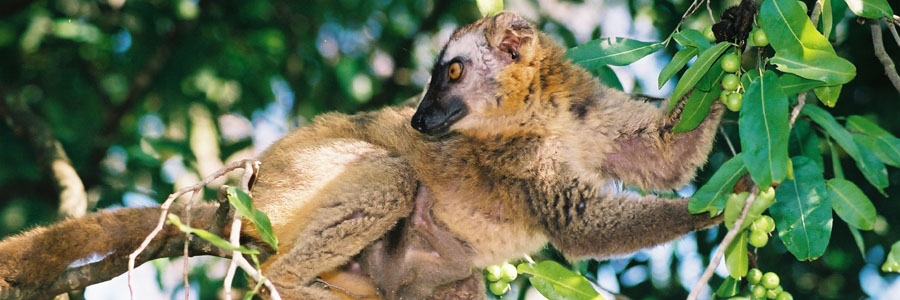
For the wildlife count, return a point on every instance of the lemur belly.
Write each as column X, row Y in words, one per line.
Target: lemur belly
column 498, row 236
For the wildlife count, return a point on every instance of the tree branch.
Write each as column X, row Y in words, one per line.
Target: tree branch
column 50, row 154
column 878, row 46
column 169, row 245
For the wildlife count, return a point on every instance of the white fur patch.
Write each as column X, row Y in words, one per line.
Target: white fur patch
column 92, row 258
column 465, row 46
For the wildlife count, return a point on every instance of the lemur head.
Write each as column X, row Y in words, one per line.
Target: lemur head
column 482, row 81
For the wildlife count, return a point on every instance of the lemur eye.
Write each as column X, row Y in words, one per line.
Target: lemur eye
column 455, row 70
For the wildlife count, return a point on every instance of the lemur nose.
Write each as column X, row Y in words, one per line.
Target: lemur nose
column 418, row 122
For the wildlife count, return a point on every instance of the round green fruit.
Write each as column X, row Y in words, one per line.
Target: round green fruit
column 768, row 194
column 708, row 33
column 770, row 280
column 508, row 273
column 758, row 292
column 499, row 287
column 731, row 62
column 771, row 294
column 754, row 276
column 784, row 296
column 730, row 82
column 759, row 38
column 493, row 273
column 768, row 224
column 734, row 101
column 763, row 223
column 758, row 239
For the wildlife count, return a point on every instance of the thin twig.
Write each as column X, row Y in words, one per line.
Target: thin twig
column 256, row 275
column 816, row 12
column 728, row 141
column 878, row 46
column 165, row 212
column 235, row 237
column 893, row 29
column 711, row 16
column 720, row 251
column 801, row 101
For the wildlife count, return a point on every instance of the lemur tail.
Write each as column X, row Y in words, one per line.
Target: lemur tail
column 31, row 262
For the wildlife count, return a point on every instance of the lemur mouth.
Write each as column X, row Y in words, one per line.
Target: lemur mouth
column 437, row 125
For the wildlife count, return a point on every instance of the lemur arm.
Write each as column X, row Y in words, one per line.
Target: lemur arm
column 645, row 152
column 620, row 222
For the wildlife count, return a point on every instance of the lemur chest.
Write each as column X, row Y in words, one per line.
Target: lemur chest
column 496, row 225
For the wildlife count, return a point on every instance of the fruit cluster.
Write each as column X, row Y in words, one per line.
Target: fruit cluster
column 732, row 95
column 766, row 285
column 499, row 277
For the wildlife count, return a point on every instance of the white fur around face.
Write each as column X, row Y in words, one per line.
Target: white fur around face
column 479, row 86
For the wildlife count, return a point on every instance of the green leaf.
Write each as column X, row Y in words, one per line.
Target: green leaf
column 701, row 99
column 828, row 94
column 881, row 142
column 827, row 19
column 789, row 29
column 892, row 262
column 712, row 195
column 764, row 129
column 872, row 9
column 851, row 204
column 489, row 7
column 728, row 288
column 244, row 205
column 611, row 51
column 556, row 282
column 805, row 142
column 860, row 123
column 678, row 61
column 816, row 65
column 696, row 71
column 691, row 38
column 858, row 239
column 885, row 148
column 872, row 168
column 799, row 47
column 802, row 211
column 792, row 84
column 208, row 236
column 736, row 256
column 607, row 77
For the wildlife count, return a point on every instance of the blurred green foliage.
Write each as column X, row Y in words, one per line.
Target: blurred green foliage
column 144, row 95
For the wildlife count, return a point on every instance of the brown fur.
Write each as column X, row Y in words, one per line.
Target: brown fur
column 538, row 158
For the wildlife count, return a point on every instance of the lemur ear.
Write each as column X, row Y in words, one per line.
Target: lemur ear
column 511, row 34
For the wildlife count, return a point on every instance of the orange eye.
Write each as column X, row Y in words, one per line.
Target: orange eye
column 455, row 70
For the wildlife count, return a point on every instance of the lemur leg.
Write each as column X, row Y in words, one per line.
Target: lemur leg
column 620, row 222
column 414, row 259
column 648, row 154
column 452, row 261
column 357, row 208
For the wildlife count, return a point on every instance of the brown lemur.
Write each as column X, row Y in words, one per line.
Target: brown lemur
column 518, row 146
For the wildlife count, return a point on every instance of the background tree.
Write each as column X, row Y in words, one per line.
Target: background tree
column 117, row 103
